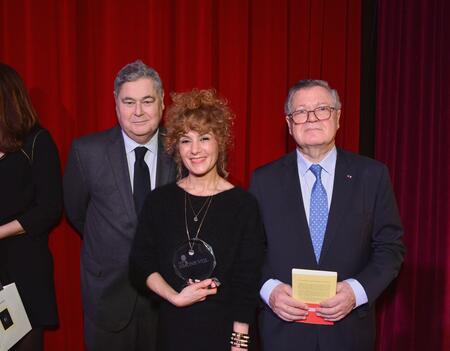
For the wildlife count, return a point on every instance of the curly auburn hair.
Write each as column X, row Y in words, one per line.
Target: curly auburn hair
column 202, row 111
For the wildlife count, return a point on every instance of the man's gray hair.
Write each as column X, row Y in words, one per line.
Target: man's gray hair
column 310, row 83
column 134, row 71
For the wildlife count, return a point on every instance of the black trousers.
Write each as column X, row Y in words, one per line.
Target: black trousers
column 138, row 335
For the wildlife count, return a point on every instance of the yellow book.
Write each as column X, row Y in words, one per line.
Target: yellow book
column 312, row 287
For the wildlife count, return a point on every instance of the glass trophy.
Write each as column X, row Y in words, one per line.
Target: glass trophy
column 194, row 260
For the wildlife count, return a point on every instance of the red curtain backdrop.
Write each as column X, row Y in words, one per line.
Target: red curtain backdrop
column 68, row 52
column 412, row 137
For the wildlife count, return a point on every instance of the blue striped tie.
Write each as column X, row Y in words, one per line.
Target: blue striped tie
column 318, row 212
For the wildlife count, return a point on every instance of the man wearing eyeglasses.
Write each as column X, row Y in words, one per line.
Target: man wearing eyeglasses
column 325, row 209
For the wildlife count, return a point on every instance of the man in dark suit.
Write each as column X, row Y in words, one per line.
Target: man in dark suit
column 107, row 178
column 325, row 209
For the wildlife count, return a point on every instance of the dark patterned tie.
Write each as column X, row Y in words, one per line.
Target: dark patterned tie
column 141, row 181
column 318, row 211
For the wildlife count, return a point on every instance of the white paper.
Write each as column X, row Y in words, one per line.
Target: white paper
column 10, row 300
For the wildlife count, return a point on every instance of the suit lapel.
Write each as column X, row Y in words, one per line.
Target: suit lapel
column 342, row 190
column 294, row 200
column 119, row 166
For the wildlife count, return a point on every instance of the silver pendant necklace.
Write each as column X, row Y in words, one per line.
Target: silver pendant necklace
column 196, row 214
column 208, row 201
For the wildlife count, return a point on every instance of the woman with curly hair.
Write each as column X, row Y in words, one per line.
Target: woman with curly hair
column 200, row 242
column 30, row 206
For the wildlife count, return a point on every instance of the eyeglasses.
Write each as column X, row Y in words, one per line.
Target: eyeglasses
column 322, row 113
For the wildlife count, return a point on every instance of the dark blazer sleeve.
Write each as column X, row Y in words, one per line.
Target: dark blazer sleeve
column 388, row 249
column 46, row 176
column 143, row 255
column 76, row 192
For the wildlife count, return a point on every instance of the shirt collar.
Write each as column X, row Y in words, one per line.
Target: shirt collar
column 328, row 163
column 130, row 144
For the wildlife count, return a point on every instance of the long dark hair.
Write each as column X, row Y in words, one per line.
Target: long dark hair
column 17, row 114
